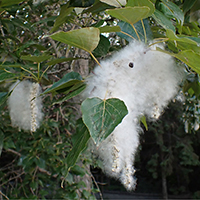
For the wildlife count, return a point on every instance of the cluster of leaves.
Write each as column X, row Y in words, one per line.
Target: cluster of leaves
column 31, row 49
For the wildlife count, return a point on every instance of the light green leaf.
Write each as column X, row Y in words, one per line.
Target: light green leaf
column 116, row 3
column 64, row 12
column 143, row 120
column 147, row 3
column 108, row 29
column 1, row 141
column 37, row 59
column 163, row 20
column 130, row 15
column 102, row 116
column 177, row 12
column 65, row 83
column 85, row 38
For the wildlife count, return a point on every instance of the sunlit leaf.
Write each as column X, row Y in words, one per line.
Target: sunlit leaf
column 130, row 15
column 147, row 3
column 144, row 122
column 1, row 141
column 85, row 38
column 102, row 116
column 116, row 3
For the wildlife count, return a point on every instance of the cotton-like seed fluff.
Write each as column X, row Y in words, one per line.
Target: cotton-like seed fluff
column 146, row 80
column 25, row 105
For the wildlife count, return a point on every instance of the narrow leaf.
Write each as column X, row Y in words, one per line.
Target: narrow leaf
column 81, row 139
column 3, row 97
column 67, row 81
column 108, row 29
column 85, row 38
column 60, row 60
column 37, row 59
column 1, row 141
column 163, row 20
column 130, row 15
column 64, row 12
column 4, row 3
column 116, row 3
column 102, row 116
column 143, row 120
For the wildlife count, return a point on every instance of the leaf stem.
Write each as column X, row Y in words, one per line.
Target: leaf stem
column 136, row 32
column 127, row 35
column 30, row 73
column 38, row 71
column 95, row 58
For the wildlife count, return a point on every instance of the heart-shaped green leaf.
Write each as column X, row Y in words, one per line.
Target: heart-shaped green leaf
column 130, row 15
column 102, row 116
column 85, row 38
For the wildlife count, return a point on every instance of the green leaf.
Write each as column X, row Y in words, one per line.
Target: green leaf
column 67, row 81
column 130, row 15
column 85, row 38
column 187, row 5
column 143, row 120
column 5, row 76
column 81, row 139
column 116, row 3
column 147, row 3
column 103, row 47
column 3, row 97
column 102, row 116
column 37, row 59
column 4, row 3
column 163, row 20
column 1, row 141
column 64, row 12
column 177, row 12
column 127, row 28
column 72, row 92
column 108, row 29
column 40, row 163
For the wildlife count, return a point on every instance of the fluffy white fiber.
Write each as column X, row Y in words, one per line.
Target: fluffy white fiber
column 145, row 79
column 25, row 105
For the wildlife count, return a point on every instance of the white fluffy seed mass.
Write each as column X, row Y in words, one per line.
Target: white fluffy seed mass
column 25, row 105
column 145, row 79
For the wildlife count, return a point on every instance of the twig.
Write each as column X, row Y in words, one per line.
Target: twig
column 101, row 196
column 1, row 193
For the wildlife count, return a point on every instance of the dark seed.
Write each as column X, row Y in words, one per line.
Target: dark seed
column 131, row 65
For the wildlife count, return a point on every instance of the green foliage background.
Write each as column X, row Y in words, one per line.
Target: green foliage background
column 41, row 41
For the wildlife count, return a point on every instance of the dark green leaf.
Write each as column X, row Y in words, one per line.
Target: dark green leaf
column 102, row 116
column 3, row 97
column 1, row 141
column 187, row 5
column 64, row 12
column 163, row 20
column 103, row 47
column 72, row 92
column 5, row 76
column 67, row 81
column 4, row 3
column 177, row 12
column 82, row 137
column 127, row 28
